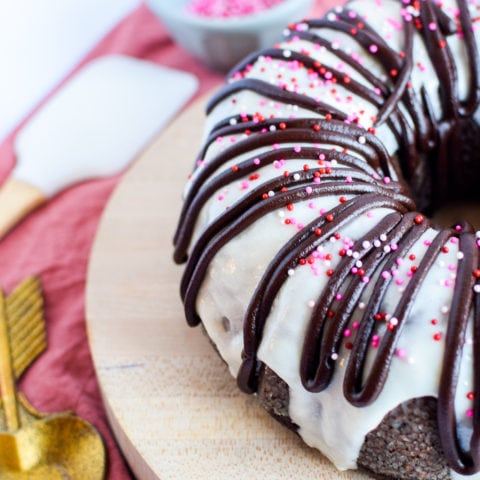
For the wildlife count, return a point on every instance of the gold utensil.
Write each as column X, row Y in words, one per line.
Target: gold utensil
column 33, row 445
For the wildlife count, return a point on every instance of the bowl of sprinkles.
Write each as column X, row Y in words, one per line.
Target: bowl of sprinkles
column 221, row 33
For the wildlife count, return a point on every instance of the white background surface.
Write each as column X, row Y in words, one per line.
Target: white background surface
column 41, row 41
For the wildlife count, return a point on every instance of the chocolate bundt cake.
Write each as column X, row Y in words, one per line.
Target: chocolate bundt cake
column 310, row 258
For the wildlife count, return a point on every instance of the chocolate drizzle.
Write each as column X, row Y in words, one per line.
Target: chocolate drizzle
column 359, row 169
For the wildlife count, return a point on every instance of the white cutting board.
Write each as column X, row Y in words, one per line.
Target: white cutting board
column 93, row 127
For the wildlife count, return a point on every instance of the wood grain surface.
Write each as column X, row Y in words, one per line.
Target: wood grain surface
column 174, row 408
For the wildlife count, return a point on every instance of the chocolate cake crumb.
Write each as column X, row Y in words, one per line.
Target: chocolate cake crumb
column 274, row 396
column 406, row 444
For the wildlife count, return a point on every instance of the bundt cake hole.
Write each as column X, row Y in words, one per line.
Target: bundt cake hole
column 453, row 212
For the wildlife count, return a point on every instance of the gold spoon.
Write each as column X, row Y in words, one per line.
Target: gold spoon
column 33, row 445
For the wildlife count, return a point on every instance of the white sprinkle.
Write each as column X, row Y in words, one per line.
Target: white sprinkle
column 383, row 237
column 366, row 244
column 445, row 310
column 377, row 243
column 358, row 263
column 476, row 288
column 387, row 249
column 296, row 176
column 233, row 121
column 361, row 306
column 291, row 272
column 460, row 255
column 356, row 255
column 362, row 139
column 311, row 303
column 334, row 356
column 281, row 214
column 271, row 193
column 394, row 321
column 331, row 17
column 272, row 128
column 287, row 53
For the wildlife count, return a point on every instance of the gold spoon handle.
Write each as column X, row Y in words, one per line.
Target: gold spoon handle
column 7, row 383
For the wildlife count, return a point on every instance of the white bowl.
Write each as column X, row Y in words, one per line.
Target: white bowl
column 222, row 42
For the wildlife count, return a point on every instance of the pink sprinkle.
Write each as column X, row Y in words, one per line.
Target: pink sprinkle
column 355, row 325
column 386, row 180
column 347, row 333
column 401, row 353
column 229, row 8
column 469, row 412
column 448, row 282
column 348, row 179
column 244, row 185
column 373, row 48
column 432, row 26
column 297, row 149
column 399, row 281
column 386, row 275
column 311, row 205
column 256, row 161
column 427, row 243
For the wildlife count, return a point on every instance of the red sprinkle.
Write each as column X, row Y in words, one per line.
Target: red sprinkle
column 419, row 219
column 437, row 337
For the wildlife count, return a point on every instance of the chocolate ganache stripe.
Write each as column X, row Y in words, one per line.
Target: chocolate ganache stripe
column 465, row 462
column 200, row 257
column 288, row 257
column 413, row 227
column 408, row 138
column 328, row 132
column 364, row 393
column 335, row 137
column 275, row 93
column 314, row 66
column 328, row 324
column 398, row 68
column 350, row 167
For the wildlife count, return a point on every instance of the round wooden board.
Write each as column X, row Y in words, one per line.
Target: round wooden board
column 174, row 408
